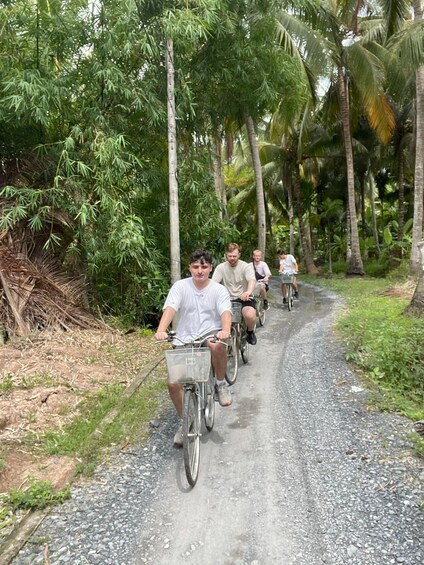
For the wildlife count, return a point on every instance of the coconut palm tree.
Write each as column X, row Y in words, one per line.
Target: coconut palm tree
column 358, row 75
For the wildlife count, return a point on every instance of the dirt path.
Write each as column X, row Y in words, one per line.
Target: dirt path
column 297, row 471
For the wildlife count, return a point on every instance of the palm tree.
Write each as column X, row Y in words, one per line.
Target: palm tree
column 358, row 74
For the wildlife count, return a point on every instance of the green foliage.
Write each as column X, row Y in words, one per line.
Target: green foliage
column 37, row 496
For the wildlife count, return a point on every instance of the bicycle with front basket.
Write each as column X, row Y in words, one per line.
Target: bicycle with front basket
column 191, row 367
column 287, row 281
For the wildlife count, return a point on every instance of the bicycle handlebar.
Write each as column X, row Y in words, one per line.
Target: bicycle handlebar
column 198, row 341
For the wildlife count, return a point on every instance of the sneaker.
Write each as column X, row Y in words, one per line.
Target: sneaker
column 296, row 294
column 251, row 338
column 266, row 305
column 178, row 437
column 224, row 395
column 284, row 300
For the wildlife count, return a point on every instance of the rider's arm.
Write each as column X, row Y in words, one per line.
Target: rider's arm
column 165, row 321
column 251, row 287
column 226, row 326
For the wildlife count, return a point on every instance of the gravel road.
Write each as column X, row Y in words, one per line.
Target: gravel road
column 297, row 471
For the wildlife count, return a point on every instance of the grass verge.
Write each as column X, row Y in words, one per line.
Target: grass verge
column 385, row 344
column 88, row 439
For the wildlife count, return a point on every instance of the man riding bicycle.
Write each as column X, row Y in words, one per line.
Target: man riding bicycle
column 203, row 308
column 239, row 278
column 262, row 274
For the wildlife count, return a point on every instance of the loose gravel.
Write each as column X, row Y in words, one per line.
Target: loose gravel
column 328, row 480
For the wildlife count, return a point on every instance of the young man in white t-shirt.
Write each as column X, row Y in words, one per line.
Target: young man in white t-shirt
column 288, row 266
column 203, row 308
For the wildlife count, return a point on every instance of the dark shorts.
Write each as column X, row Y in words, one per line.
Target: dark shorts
column 244, row 303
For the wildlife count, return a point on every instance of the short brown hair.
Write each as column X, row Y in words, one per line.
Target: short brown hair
column 233, row 247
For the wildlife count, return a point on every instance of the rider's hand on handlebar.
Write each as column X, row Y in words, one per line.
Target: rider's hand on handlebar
column 161, row 336
column 222, row 335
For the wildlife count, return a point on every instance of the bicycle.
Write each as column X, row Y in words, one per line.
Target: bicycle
column 191, row 367
column 239, row 342
column 287, row 280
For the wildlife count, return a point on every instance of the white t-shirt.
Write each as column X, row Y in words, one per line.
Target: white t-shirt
column 198, row 311
column 236, row 279
column 289, row 265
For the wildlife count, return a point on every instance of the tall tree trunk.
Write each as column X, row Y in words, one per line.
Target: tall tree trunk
column 417, row 230
column 397, row 250
column 291, row 215
column 372, row 202
column 260, row 198
column 304, row 240
column 174, row 218
column 416, row 306
column 355, row 263
column 218, row 175
column 401, row 181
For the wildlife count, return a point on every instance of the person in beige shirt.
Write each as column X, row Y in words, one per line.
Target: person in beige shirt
column 239, row 279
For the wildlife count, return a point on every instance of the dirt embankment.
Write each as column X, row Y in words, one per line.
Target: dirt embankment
column 43, row 380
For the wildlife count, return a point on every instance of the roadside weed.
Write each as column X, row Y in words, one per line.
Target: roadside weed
column 38, row 495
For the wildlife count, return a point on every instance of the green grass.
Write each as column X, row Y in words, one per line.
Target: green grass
column 80, row 440
column 380, row 340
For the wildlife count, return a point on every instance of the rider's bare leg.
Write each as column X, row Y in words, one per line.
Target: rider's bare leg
column 249, row 315
column 219, row 359
column 176, row 393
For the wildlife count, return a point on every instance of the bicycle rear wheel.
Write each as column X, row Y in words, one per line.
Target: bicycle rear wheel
column 209, row 400
column 191, row 436
column 232, row 358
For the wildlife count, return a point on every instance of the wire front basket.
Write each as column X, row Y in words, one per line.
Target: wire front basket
column 286, row 279
column 188, row 365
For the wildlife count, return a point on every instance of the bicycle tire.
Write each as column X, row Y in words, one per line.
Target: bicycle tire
column 191, row 436
column 244, row 349
column 232, row 357
column 209, row 400
column 261, row 313
column 289, row 297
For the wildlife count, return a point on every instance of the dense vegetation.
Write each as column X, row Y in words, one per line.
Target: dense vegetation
column 302, row 120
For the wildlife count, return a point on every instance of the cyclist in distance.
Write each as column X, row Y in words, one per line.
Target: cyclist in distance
column 288, row 266
column 262, row 274
column 203, row 308
column 239, row 278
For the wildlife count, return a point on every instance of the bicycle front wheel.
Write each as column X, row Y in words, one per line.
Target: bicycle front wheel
column 289, row 297
column 244, row 350
column 261, row 313
column 191, row 436
column 232, row 358
column 209, row 392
